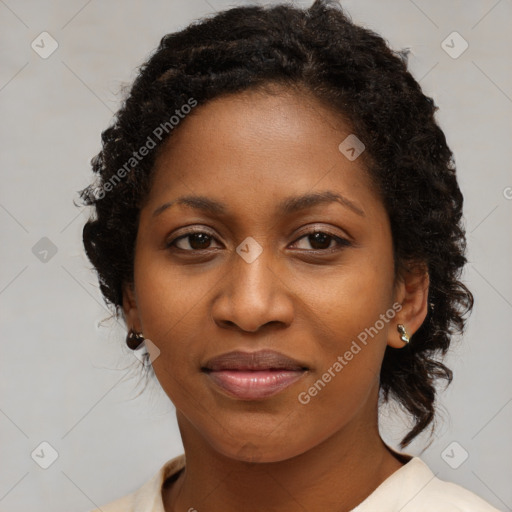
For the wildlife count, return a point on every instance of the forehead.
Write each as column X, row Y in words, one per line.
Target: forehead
column 259, row 146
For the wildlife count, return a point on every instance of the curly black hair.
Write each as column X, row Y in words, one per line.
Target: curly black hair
column 353, row 72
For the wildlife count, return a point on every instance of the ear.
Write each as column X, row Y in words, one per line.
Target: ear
column 411, row 292
column 131, row 312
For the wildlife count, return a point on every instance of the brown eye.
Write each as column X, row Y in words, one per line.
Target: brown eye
column 195, row 241
column 321, row 241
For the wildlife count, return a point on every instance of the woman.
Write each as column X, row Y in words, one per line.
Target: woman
column 278, row 221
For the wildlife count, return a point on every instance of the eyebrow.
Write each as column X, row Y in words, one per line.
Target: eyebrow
column 288, row 206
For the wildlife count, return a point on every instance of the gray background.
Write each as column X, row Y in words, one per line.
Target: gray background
column 65, row 375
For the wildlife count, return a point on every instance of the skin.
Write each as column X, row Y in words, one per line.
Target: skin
column 250, row 151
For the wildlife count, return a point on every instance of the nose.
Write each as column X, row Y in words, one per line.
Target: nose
column 253, row 296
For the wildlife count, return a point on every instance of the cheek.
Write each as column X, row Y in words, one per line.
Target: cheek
column 351, row 300
column 170, row 297
column 171, row 310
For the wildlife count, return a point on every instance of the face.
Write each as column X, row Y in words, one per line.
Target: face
column 288, row 249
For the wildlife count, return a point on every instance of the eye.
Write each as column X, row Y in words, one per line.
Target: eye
column 322, row 241
column 192, row 241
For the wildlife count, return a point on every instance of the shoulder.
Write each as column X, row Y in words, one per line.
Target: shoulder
column 415, row 488
column 427, row 492
column 450, row 497
column 148, row 497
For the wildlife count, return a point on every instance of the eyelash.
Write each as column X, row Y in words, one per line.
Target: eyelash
column 341, row 242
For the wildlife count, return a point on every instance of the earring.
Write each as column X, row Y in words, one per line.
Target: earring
column 403, row 333
column 134, row 339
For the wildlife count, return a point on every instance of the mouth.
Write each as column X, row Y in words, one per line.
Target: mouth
column 253, row 375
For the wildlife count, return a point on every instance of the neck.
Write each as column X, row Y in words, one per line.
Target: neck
column 338, row 473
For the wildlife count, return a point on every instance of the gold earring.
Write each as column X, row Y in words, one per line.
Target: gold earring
column 403, row 333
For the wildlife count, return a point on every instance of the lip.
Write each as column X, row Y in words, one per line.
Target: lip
column 253, row 375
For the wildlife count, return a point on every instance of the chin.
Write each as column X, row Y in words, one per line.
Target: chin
column 257, row 449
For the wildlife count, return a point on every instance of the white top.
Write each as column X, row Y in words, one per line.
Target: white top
column 411, row 488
